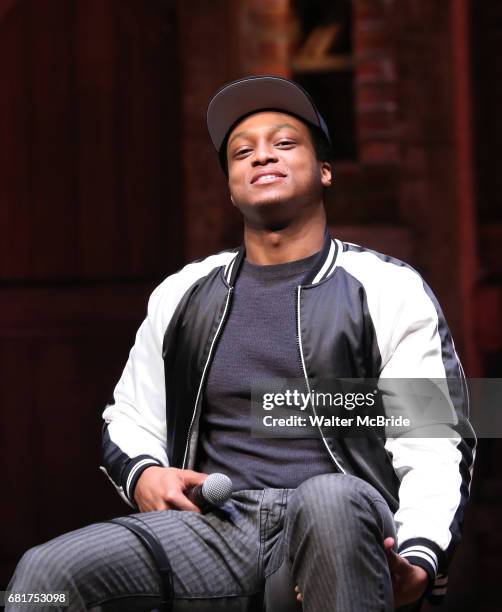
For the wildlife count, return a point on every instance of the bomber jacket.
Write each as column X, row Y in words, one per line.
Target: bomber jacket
column 360, row 314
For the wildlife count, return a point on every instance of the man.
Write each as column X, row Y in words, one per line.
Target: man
column 313, row 515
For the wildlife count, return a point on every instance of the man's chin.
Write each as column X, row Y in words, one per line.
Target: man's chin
column 276, row 213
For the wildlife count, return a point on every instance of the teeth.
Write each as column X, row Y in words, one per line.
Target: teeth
column 266, row 178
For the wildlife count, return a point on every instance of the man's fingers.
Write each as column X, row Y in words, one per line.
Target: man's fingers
column 158, row 504
column 388, row 543
column 153, row 506
column 181, row 502
column 396, row 562
column 398, row 565
column 191, row 478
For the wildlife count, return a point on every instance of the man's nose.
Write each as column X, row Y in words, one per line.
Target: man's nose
column 264, row 153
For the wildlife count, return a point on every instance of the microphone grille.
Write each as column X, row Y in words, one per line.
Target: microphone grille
column 217, row 489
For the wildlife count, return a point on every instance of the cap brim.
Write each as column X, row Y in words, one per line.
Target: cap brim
column 253, row 94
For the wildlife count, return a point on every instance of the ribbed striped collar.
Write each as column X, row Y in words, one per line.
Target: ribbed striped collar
column 323, row 266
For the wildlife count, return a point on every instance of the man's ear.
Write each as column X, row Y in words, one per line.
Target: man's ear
column 326, row 174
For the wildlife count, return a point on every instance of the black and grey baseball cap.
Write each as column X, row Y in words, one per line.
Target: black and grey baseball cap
column 251, row 94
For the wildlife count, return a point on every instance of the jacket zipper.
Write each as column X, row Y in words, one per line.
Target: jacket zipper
column 185, row 456
column 299, row 340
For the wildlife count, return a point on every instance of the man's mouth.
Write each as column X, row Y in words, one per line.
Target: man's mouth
column 266, row 178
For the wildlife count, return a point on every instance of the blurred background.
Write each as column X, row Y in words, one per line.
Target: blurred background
column 108, row 183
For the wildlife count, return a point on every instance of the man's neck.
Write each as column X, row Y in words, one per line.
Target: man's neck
column 268, row 246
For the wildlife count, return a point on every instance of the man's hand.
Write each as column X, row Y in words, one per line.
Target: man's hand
column 408, row 581
column 162, row 488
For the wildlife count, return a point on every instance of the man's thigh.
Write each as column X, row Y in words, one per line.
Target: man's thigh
column 332, row 547
column 214, row 560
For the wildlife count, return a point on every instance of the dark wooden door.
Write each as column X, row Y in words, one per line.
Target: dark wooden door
column 90, row 222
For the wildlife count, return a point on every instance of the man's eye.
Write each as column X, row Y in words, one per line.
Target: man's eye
column 283, row 143
column 241, row 152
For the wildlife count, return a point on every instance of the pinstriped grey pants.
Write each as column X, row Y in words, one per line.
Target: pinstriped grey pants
column 326, row 536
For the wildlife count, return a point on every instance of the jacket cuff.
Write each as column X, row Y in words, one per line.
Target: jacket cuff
column 424, row 553
column 438, row 590
column 133, row 471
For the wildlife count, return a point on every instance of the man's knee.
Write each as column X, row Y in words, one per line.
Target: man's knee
column 341, row 498
column 36, row 567
column 332, row 489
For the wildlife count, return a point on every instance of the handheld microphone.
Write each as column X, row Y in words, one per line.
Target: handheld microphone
column 214, row 491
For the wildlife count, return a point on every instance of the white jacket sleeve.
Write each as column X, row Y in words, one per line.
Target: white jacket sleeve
column 434, row 470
